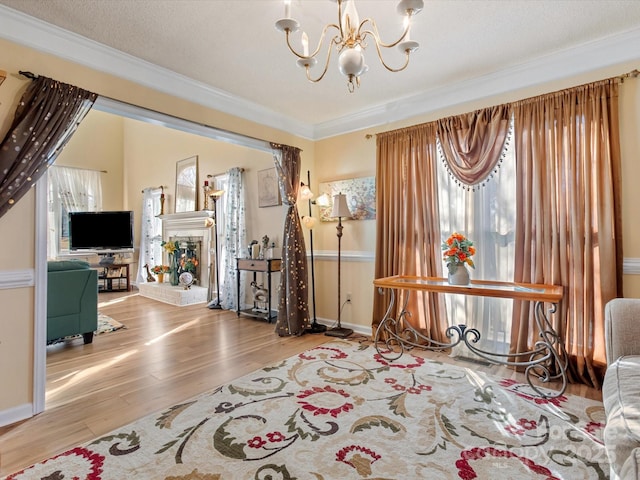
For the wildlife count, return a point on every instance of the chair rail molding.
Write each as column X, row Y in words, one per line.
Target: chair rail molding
column 631, row 266
column 17, row 278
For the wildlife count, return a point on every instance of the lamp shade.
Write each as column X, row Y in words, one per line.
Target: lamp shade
column 305, row 192
column 340, row 207
column 308, row 222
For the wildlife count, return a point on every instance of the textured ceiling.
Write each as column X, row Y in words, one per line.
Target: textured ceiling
column 233, row 46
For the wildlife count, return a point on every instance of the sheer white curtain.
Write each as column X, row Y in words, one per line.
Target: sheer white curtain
column 70, row 190
column 231, row 234
column 150, row 233
column 487, row 217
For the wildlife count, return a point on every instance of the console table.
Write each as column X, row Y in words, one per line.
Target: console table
column 258, row 265
column 547, row 361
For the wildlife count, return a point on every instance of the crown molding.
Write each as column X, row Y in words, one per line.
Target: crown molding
column 607, row 52
column 45, row 37
column 29, row 31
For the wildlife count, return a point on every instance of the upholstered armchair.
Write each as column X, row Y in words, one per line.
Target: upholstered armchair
column 72, row 300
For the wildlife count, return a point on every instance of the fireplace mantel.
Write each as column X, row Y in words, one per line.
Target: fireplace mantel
column 185, row 220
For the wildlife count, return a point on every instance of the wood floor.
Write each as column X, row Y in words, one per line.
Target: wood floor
column 165, row 355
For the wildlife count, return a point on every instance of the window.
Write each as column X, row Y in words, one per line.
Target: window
column 69, row 190
column 485, row 215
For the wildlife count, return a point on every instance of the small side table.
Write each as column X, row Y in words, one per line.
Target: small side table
column 255, row 266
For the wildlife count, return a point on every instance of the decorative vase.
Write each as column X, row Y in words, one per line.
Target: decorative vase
column 459, row 276
column 173, row 270
column 160, row 277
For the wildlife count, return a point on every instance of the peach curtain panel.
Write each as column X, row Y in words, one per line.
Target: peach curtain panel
column 568, row 209
column 408, row 233
column 472, row 143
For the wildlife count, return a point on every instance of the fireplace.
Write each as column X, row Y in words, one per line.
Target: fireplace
column 196, row 256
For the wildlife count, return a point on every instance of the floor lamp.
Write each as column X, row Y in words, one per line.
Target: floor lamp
column 214, row 304
column 340, row 209
column 309, row 222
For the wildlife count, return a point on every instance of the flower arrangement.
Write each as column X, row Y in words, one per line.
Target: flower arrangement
column 189, row 264
column 160, row 269
column 458, row 251
column 170, row 247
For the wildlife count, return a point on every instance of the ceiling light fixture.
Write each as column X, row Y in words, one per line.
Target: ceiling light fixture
column 350, row 41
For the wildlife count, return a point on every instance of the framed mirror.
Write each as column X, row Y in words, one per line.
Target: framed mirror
column 187, row 185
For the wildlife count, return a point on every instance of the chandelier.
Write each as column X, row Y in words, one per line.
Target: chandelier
column 350, row 40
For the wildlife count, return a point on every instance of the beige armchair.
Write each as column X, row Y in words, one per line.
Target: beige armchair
column 621, row 387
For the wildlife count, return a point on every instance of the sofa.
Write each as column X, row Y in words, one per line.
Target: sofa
column 72, row 300
column 621, row 387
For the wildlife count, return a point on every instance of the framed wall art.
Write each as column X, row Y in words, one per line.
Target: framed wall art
column 268, row 188
column 361, row 197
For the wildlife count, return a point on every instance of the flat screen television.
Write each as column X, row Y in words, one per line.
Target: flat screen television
column 101, row 230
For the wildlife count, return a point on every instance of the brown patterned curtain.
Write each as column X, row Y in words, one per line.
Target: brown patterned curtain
column 47, row 116
column 293, row 310
column 568, row 209
column 407, row 226
column 472, row 143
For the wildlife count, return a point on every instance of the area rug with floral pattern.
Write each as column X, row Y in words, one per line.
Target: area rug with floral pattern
column 340, row 411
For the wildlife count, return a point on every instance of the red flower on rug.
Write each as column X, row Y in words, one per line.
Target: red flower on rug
column 358, row 457
column 76, row 463
column 466, row 471
column 335, row 354
column 324, row 403
column 414, row 363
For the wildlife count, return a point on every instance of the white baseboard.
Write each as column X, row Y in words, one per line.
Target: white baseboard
column 16, row 414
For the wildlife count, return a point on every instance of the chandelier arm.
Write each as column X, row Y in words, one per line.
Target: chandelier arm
column 391, row 69
column 326, row 64
column 376, row 35
column 324, row 32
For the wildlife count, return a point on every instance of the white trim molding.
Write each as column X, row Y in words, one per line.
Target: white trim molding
column 17, row 278
column 345, row 255
column 631, row 266
column 15, row 414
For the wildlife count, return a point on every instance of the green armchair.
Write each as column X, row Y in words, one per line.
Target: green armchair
column 72, row 300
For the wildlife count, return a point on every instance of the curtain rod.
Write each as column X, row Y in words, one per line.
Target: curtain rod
column 161, row 187
column 221, row 173
column 81, row 168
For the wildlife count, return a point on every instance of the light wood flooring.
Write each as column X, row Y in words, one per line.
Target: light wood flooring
column 165, row 355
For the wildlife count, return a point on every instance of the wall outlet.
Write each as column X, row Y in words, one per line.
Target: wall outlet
column 348, row 297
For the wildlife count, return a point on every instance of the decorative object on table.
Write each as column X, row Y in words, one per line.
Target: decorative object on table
column 160, row 270
column 150, row 278
column 361, row 193
column 250, row 248
column 215, row 304
column 340, row 209
column 205, row 190
column 161, row 199
column 310, row 222
column 458, row 251
column 186, row 185
column 351, row 38
column 260, row 297
column 173, row 249
column 268, row 188
column 355, row 416
column 185, row 279
column 264, row 246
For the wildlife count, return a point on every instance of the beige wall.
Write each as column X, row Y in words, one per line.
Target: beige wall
column 346, row 156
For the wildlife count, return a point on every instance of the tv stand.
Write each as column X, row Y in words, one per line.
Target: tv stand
column 112, row 276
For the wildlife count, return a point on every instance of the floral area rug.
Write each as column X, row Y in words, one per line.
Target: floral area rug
column 340, row 411
column 107, row 324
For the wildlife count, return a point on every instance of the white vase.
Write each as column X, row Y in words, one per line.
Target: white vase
column 460, row 276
